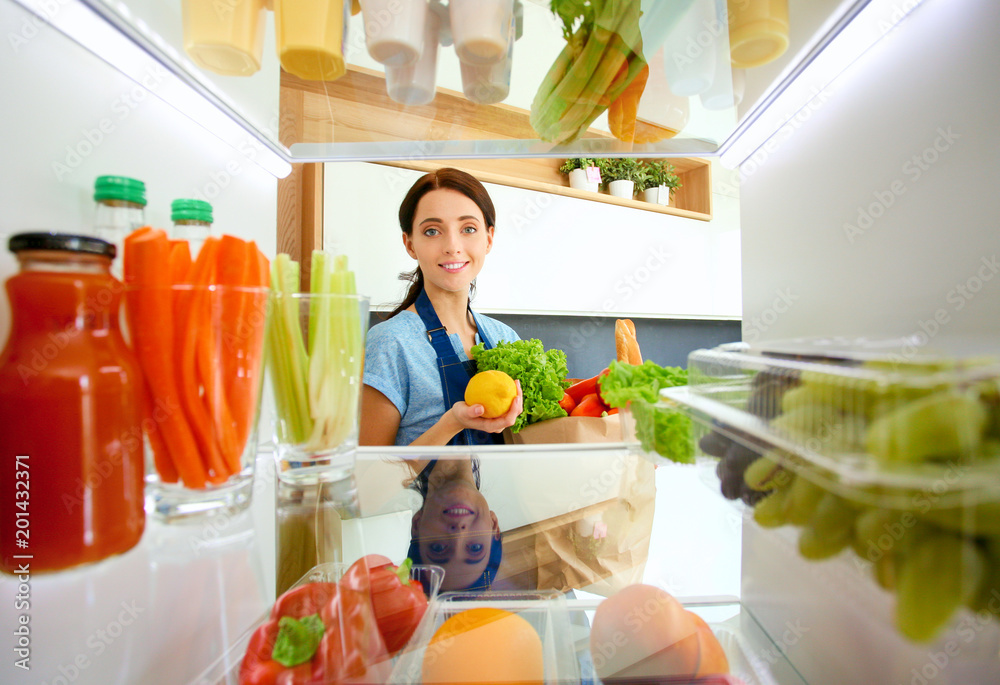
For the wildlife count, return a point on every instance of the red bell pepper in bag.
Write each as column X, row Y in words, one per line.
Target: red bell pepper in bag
column 398, row 600
column 339, row 644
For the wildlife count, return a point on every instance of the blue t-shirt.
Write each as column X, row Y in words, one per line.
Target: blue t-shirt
column 401, row 364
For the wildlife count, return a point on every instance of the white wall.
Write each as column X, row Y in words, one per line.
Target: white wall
column 908, row 138
column 552, row 254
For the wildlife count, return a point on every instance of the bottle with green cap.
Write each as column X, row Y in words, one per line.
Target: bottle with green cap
column 192, row 222
column 121, row 208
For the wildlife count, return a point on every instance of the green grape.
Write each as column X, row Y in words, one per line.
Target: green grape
column 938, row 573
column 830, row 529
column 803, row 498
column 770, row 511
column 943, row 425
column 879, row 532
column 987, row 599
column 849, row 396
column 976, row 519
column 823, row 428
column 767, row 473
column 886, row 569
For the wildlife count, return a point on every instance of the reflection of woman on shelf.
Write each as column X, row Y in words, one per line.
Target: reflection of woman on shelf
column 454, row 528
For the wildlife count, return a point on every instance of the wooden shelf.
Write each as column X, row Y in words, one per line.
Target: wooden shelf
column 515, row 173
column 356, row 109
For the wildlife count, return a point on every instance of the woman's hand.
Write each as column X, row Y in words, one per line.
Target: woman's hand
column 470, row 416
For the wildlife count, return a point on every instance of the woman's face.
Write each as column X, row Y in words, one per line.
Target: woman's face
column 450, row 239
column 455, row 529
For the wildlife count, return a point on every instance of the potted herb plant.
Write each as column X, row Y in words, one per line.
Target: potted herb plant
column 659, row 182
column 621, row 174
column 576, row 169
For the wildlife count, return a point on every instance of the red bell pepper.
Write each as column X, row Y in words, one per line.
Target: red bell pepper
column 304, row 600
column 350, row 648
column 398, row 600
column 590, row 405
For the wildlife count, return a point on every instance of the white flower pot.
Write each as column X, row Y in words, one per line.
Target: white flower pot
column 624, row 189
column 659, row 195
column 578, row 180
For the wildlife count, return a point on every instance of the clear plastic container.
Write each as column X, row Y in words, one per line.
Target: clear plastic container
column 884, row 454
column 225, row 671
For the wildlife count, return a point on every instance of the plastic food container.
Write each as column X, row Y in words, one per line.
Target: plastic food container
column 881, row 454
column 546, row 611
column 225, row 671
column 227, row 41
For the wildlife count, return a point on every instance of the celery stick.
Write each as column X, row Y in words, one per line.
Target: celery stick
column 287, row 355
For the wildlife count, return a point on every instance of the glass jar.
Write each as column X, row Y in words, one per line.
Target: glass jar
column 72, row 406
column 192, row 222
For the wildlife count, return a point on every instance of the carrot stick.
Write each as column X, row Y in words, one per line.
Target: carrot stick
column 196, row 335
column 161, row 453
column 148, row 308
column 228, row 408
column 180, row 260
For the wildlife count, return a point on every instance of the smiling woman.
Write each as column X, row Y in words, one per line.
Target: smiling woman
column 455, row 528
column 417, row 363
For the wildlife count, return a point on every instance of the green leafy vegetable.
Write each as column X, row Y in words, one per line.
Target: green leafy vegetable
column 297, row 639
column 542, row 374
column 658, row 428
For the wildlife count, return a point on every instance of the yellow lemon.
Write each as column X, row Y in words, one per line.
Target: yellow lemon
column 495, row 390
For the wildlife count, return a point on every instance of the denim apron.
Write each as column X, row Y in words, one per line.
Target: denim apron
column 455, row 372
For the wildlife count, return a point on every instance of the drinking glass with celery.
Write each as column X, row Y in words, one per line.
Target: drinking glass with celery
column 316, row 343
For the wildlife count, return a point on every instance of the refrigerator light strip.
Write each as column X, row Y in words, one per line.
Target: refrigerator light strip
column 869, row 25
column 98, row 35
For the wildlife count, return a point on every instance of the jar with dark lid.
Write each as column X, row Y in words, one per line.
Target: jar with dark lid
column 72, row 406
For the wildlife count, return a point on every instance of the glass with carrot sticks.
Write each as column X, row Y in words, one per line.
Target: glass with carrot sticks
column 198, row 329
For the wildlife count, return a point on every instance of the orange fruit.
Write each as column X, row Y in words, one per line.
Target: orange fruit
column 713, row 657
column 495, row 390
column 486, row 645
column 642, row 631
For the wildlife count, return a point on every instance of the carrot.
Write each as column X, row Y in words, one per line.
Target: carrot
column 567, row 402
column 588, row 385
column 180, row 260
column 195, row 345
column 590, row 405
column 161, row 453
column 622, row 112
column 228, row 399
column 148, row 308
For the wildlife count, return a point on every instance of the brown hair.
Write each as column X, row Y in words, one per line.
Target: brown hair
column 451, row 179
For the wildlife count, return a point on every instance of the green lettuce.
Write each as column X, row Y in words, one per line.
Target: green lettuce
column 659, row 429
column 542, row 374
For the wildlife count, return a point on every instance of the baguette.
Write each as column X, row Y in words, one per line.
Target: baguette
column 626, row 345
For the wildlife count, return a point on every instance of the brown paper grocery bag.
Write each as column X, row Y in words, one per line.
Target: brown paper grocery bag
column 568, row 429
column 600, row 548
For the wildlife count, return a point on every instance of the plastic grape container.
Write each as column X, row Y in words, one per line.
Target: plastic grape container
column 881, row 448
